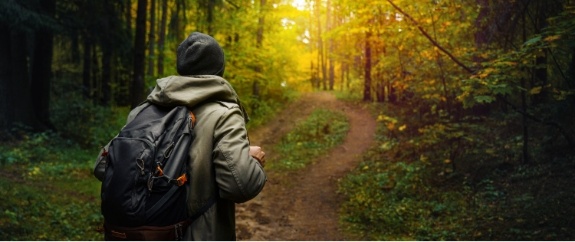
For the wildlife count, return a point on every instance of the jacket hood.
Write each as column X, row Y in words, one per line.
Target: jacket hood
column 191, row 91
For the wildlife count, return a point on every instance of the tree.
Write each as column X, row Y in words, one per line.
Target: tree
column 162, row 37
column 26, row 71
column 367, row 68
column 152, row 38
column 137, row 87
column 41, row 73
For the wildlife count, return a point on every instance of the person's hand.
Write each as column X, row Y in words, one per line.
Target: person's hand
column 257, row 153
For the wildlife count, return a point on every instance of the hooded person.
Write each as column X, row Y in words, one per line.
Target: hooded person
column 223, row 169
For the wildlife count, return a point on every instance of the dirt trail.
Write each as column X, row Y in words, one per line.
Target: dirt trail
column 304, row 205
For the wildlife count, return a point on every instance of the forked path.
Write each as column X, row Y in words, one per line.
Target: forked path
column 304, row 205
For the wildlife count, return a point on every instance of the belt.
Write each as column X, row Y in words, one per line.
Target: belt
column 170, row 232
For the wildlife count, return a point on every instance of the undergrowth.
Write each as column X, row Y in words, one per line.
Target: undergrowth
column 49, row 194
column 457, row 181
column 48, row 190
column 311, row 138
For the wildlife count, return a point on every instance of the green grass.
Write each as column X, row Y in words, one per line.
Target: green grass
column 418, row 184
column 309, row 139
column 50, row 200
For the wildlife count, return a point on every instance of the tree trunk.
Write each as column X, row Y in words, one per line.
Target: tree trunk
column 106, row 75
column 330, row 49
column 87, row 68
column 321, row 61
column 41, row 76
column 152, row 38
column 481, row 35
column 137, row 87
column 259, row 42
column 128, row 15
column 210, row 17
column 95, row 82
column 367, row 69
column 20, row 107
column 6, row 85
column 162, row 38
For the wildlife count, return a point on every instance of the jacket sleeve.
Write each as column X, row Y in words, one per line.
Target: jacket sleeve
column 239, row 176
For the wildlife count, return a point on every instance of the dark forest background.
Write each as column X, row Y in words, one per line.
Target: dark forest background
column 475, row 100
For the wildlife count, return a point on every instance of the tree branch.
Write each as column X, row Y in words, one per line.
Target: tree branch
column 232, row 3
column 549, row 123
column 453, row 58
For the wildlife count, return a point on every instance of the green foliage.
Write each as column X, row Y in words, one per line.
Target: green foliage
column 502, row 71
column 392, row 194
column 313, row 137
column 48, row 192
column 261, row 111
column 396, row 204
column 85, row 123
column 456, row 181
column 53, row 209
column 38, row 148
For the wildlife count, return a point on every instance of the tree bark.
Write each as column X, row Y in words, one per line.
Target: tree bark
column 152, row 38
column 106, row 75
column 20, row 108
column 87, row 68
column 210, row 17
column 6, row 88
column 41, row 76
column 137, row 87
column 367, row 69
column 162, row 37
column 259, row 42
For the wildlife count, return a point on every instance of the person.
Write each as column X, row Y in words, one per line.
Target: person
column 223, row 165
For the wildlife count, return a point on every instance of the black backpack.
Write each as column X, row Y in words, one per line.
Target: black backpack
column 144, row 187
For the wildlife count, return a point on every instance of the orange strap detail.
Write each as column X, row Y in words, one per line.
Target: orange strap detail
column 182, row 180
column 159, row 171
column 193, row 119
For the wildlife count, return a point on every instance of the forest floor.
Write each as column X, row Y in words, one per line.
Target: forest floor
column 304, row 204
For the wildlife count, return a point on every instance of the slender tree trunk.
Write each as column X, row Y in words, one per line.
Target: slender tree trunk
column 162, row 37
column 313, row 80
column 524, row 121
column 20, row 101
column 128, row 14
column 87, row 68
column 321, row 61
column 177, row 18
column 41, row 74
column 106, row 75
column 6, row 85
column 137, row 87
column 259, row 42
column 152, row 38
column 210, row 17
column 331, row 71
column 96, row 78
column 331, row 74
column 367, row 69
column 342, row 77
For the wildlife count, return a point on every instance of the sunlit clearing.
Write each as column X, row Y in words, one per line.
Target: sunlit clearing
column 299, row 4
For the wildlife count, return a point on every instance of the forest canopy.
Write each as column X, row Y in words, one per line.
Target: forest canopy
column 452, row 56
column 459, row 84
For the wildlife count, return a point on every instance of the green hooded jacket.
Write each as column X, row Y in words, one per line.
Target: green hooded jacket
column 220, row 164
